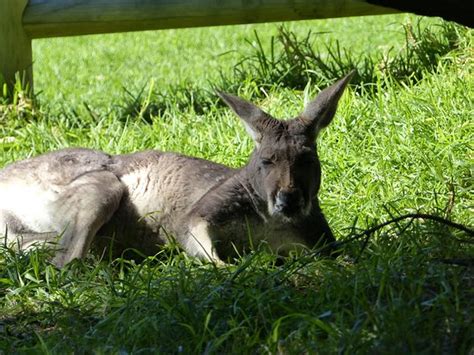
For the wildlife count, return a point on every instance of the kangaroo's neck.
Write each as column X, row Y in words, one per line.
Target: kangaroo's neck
column 250, row 187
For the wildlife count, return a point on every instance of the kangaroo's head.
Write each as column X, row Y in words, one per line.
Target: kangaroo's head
column 284, row 168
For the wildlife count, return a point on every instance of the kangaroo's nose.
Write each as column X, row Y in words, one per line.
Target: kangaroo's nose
column 288, row 201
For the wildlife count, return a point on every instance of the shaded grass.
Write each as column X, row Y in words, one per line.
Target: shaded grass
column 395, row 147
column 173, row 304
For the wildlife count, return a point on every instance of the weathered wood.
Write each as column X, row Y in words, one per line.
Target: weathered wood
column 51, row 18
column 15, row 45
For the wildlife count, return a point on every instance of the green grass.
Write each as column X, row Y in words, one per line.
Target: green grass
column 399, row 144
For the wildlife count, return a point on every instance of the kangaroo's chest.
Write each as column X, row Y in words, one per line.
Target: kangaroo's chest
column 244, row 234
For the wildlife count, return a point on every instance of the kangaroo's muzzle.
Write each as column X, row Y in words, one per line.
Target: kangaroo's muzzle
column 289, row 202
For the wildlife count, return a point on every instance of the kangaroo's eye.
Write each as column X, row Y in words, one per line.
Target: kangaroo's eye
column 267, row 162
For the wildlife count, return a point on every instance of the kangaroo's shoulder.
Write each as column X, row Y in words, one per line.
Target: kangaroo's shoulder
column 228, row 199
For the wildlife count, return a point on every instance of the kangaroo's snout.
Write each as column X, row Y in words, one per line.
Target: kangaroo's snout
column 289, row 202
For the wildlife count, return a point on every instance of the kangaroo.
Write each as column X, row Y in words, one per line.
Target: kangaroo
column 74, row 197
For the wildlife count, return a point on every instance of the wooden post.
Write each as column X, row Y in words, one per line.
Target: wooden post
column 15, row 45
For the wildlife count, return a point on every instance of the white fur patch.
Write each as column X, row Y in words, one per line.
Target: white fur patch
column 29, row 203
column 199, row 243
column 146, row 196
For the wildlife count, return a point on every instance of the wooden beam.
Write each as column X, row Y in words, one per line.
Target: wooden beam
column 52, row 18
column 15, row 44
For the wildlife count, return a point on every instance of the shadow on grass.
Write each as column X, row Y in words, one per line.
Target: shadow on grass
column 399, row 296
column 173, row 99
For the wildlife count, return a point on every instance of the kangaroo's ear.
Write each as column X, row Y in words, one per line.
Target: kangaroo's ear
column 320, row 112
column 255, row 120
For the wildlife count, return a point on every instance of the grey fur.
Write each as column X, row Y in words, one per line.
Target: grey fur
column 140, row 200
